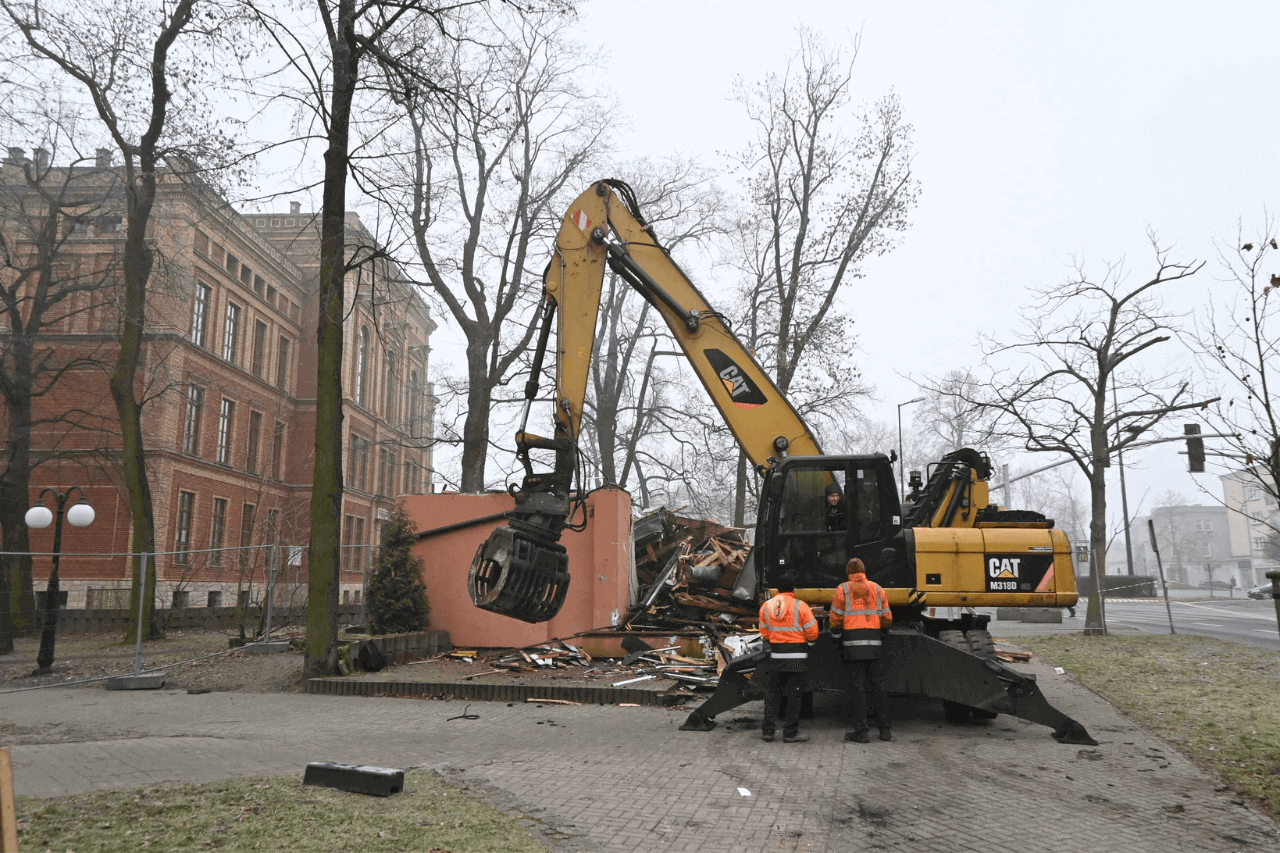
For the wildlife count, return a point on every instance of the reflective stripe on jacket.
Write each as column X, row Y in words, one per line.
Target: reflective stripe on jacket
column 789, row 627
column 859, row 609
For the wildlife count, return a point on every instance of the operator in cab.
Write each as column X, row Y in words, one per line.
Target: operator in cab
column 836, row 517
column 789, row 630
column 860, row 617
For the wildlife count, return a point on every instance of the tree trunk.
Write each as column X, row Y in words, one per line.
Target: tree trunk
column 740, row 491
column 475, row 429
column 321, row 656
column 17, row 589
column 138, row 261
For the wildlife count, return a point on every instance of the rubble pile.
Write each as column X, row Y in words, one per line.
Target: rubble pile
column 687, row 570
column 643, row 663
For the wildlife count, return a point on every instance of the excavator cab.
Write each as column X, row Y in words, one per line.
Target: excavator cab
column 817, row 512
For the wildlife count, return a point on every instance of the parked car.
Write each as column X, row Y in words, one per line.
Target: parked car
column 1261, row 592
column 1215, row 585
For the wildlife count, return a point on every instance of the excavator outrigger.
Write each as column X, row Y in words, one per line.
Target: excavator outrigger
column 947, row 547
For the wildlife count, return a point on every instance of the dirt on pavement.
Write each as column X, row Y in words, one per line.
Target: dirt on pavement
column 196, row 661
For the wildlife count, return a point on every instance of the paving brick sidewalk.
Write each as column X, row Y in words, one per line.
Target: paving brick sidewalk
column 605, row 778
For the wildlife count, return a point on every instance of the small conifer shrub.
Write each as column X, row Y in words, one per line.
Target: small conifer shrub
column 397, row 601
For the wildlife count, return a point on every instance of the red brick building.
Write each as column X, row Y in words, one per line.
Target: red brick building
column 229, row 379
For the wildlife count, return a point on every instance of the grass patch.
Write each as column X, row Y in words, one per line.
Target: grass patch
column 271, row 813
column 1215, row 701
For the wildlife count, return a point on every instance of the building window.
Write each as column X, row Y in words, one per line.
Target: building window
column 258, row 284
column 200, row 314
column 411, row 402
column 259, row 348
column 277, row 450
column 246, row 276
column 255, row 438
column 182, row 539
column 389, row 387
column 215, row 599
column 1260, row 543
column 217, row 531
column 352, row 530
column 181, row 599
column 225, row 420
column 1204, row 526
column 387, row 473
column 231, row 333
column 358, row 462
column 246, row 534
column 362, row 367
column 410, row 488
column 191, row 430
column 282, row 365
column 233, row 263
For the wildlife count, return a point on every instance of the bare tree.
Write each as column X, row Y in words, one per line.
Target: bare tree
column 148, row 94
column 1079, row 380
column 1238, row 340
column 819, row 203
column 45, row 288
column 483, row 184
column 369, row 53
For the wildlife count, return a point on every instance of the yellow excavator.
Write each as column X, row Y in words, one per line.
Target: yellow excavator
column 946, row 547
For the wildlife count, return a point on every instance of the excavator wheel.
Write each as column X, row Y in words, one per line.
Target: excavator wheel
column 955, row 713
column 981, row 643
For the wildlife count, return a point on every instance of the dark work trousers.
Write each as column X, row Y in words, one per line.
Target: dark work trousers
column 863, row 676
column 778, row 686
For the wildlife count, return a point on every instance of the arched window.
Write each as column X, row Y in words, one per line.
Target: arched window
column 362, row 368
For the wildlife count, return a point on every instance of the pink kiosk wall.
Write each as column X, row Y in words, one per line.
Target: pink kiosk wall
column 599, row 569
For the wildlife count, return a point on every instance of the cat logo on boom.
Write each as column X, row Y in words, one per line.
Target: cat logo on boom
column 742, row 391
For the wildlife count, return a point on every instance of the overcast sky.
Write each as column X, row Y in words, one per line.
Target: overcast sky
column 1045, row 134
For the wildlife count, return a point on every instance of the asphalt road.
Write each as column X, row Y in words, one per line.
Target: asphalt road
column 1239, row 620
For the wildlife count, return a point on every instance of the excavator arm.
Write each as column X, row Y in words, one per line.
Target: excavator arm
column 522, row 569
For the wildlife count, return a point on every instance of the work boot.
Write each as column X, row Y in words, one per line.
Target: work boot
column 766, row 735
column 860, row 736
column 885, row 733
column 797, row 737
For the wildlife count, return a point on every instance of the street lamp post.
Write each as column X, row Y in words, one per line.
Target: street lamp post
column 902, row 484
column 39, row 517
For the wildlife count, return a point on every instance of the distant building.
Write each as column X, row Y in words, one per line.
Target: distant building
column 1194, row 544
column 1254, row 523
column 229, row 377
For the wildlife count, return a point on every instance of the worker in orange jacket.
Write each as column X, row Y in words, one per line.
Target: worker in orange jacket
column 860, row 616
column 788, row 629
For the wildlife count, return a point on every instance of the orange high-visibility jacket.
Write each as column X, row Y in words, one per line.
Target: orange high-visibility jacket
column 789, row 627
column 859, row 610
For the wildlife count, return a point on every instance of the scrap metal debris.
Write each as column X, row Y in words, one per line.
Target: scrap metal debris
column 691, row 571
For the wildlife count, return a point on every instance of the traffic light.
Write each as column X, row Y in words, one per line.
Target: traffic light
column 1195, row 448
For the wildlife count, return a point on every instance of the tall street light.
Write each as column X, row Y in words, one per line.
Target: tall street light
column 902, row 482
column 39, row 516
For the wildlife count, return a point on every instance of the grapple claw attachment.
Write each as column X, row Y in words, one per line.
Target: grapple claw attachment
column 520, row 573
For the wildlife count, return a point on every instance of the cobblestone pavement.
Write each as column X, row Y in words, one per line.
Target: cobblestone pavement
column 605, row 778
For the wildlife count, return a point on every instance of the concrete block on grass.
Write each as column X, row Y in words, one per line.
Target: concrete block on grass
column 355, row 778
column 1042, row 614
